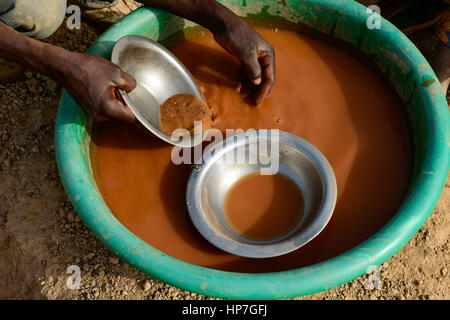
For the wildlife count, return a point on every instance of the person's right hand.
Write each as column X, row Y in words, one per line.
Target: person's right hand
column 256, row 55
column 92, row 82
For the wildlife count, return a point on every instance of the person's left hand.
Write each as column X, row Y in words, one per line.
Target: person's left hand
column 256, row 55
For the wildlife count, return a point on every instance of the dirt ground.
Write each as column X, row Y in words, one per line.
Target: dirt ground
column 41, row 235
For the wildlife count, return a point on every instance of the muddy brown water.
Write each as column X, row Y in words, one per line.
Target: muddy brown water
column 263, row 207
column 323, row 94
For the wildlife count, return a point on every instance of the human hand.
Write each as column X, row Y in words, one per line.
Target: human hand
column 256, row 55
column 93, row 81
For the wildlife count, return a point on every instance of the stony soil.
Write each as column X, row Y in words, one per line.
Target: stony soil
column 41, row 235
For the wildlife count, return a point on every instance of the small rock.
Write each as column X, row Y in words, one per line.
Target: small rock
column 52, row 85
column 114, row 260
column 147, row 285
column 88, row 256
column 71, row 218
column 444, row 272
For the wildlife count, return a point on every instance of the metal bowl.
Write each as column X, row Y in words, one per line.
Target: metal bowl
column 298, row 159
column 159, row 75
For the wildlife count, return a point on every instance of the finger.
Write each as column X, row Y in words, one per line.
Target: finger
column 268, row 65
column 252, row 67
column 115, row 109
column 262, row 93
column 243, row 86
column 126, row 82
column 118, row 96
column 238, row 87
column 267, row 62
column 99, row 118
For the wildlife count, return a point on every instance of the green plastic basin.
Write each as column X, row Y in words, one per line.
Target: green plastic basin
column 406, row 69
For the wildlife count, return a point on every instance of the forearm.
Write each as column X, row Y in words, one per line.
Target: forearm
column 89, row 79
column 256, row 55
column 208, row 13
column 33, row 54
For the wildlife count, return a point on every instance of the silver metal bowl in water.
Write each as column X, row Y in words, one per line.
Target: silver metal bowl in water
column 298, row 159
column 159, row 75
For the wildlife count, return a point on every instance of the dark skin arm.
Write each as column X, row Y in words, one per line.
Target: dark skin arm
column 89, row 79
column 255, row 54
column 92, row 80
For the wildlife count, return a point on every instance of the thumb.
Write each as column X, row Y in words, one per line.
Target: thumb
column 126, row 82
